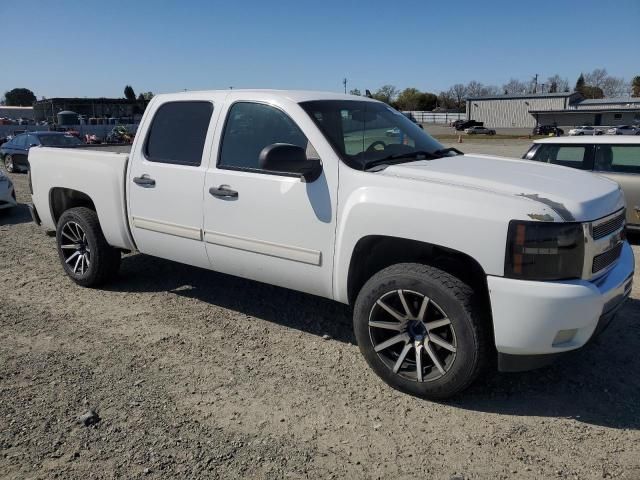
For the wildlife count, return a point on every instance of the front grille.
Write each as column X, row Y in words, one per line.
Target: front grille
column 605, row 259
column 610, row 226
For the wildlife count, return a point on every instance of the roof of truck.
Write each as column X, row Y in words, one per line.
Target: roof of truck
column 591, row 139
column 292, row 95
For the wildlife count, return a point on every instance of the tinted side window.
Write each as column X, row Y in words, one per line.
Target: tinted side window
column 252, row 126
column 618, row 158
column 32, row 140
column 177, row 133
column 20, row 141
column 574, row 156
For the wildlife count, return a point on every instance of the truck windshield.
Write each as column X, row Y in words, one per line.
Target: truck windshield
column 368, row 134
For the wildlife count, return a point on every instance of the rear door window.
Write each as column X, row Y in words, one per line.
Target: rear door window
column 178, row 132
column 574, row 156
column 20, row 141
column 618, row 158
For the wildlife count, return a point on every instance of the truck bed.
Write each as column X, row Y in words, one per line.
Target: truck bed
column 97, row 172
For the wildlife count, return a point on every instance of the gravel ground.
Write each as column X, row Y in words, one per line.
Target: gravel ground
column 194, row 374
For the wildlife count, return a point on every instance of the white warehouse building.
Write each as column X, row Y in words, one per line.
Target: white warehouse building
column 513, row 111
column 562, row 109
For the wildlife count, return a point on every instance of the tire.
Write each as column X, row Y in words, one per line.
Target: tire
column 8, row 164
column 84, row 253
column 448, row 299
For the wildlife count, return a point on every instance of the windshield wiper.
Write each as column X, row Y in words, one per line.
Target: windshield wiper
column 401, row 157
column 444, row 151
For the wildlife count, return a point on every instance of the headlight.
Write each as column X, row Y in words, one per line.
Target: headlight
column 544, row 251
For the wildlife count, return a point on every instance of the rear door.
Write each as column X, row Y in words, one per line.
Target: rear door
column 166, row 177
column 622, row 164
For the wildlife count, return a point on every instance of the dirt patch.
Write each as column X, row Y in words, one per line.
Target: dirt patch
column 194, row 374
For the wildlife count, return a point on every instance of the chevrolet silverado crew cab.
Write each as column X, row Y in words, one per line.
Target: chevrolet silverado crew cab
column 450, row 261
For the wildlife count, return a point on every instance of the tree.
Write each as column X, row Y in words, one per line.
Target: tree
column 557, row 84
column 580, row 84
column 514, row 87
column 635, row 86
column 129, row 94
column 445, row 100
column 355, row 91
column 386, row 94
column 614, row 87
column 19, row 97
column 474, row 89
column 592, row 92
column 596, row 78
column 409, row 98
column 427, row 101
column 459, row 92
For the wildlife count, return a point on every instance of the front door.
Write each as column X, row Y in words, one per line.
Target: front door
column 273, row 228
column 166, row 175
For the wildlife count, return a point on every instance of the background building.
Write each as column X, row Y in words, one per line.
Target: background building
column 15, row 113
column 562, row 109
column 87, row 107
column 513, row 111
column 603, row 111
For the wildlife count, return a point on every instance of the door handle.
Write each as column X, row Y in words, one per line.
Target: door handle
column 144, row 181
column 223, row 191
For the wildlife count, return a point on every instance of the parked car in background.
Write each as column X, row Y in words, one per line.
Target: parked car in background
column 586, row 130
column 624, row 130
column 14, row 153
column 452, row 262
column 468, row 124
column 617, row 158
column 479, row 131
column 455, row 123
column 7, row 192
column 548, row 130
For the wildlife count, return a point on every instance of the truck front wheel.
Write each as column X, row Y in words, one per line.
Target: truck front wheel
column 420, row 330
column 84, row 253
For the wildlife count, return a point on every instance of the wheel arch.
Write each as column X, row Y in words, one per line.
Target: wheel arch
column 373, row 253
column 62, row 199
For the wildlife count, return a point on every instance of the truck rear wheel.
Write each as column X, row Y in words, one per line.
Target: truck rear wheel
column 84, row 253
column 419, row 329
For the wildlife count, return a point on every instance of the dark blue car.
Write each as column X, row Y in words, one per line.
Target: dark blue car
column 14, row 153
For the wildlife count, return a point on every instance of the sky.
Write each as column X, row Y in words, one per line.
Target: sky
column 96, row 47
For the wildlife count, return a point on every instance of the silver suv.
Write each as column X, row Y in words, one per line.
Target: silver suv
column 617, row 158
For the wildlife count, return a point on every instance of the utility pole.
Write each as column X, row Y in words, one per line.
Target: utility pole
column 344, row 82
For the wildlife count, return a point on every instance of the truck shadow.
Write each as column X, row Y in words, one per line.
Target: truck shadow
column 597, row 385
column 300, row 311
column 16, row 215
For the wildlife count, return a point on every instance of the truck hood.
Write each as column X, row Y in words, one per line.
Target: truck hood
column 573, row 194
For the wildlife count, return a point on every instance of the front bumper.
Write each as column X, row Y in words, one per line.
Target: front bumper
column 533, row 318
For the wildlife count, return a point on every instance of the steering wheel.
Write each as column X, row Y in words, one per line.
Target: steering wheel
column 371, row 148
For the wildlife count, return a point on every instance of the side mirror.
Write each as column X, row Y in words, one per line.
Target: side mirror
column 287, row 158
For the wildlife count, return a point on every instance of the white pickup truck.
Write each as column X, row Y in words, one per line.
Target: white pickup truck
column 450, row 261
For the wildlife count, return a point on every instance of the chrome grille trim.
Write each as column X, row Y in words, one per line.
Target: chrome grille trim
column 607, row 258
column 603, row 244
column 608, row 225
